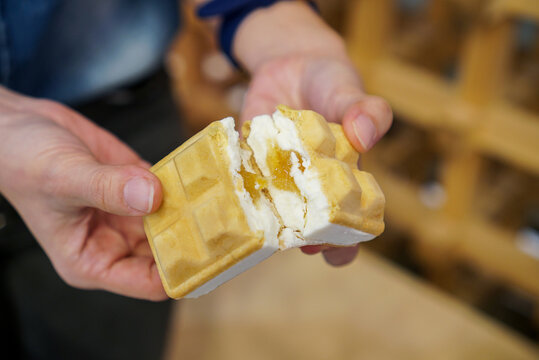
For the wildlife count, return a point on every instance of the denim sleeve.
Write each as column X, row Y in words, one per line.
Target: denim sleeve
column 71, row 50
column 4, row 51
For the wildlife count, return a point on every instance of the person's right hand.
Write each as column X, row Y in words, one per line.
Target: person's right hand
column 82, row 193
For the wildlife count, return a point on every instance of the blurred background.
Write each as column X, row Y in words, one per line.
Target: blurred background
column 456, row 273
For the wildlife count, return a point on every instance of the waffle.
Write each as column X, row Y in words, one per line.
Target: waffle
column 229, row 203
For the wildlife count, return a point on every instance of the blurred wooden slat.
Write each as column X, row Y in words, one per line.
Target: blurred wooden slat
column 423, row 99
column 470, row 238
column 296, row 307
column 503, row 8
column 470, row 108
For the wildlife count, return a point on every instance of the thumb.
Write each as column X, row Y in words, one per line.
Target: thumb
column 334, row 90
column 365, row 121
column 117, row 189
column 365, row 118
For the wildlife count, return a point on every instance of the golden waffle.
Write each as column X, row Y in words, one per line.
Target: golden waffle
column 202, row 234
column 200, row 228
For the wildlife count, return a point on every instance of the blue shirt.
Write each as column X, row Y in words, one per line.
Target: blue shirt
column 71, row 50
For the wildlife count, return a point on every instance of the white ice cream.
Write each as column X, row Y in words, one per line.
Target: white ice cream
column 289, row 205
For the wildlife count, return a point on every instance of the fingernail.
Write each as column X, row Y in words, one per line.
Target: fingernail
column 138, row 194
column 364, row 130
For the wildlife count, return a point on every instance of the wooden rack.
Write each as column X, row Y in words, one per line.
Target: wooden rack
column 454, row 90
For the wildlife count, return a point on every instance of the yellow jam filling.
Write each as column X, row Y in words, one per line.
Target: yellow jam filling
column 253, row 183
column 280, row 163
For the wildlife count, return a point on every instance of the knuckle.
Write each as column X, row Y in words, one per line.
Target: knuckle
column 55, row 174
column 100, row 186
column 73, row 277
column 50, row 177
column 83, row 273
column 49, row 186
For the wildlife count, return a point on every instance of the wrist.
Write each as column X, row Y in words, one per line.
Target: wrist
column 284, row 29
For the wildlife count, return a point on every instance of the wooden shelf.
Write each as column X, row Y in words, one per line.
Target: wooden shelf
column 424, row 99
column 471, row 112
column 473, row 240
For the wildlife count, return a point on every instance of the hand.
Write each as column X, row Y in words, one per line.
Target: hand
column 297, row 60
column 82, row 193
column 331, row 87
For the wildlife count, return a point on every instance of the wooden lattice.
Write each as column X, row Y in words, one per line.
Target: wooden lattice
column 456, row 76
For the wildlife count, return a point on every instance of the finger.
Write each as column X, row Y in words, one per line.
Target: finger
column 270, row 87
column 131, row 228
column 142, row 249
column 256, row 104
column 144, row 164
column 340, row 256
column 117, row 189
column 311, row 249
column 134, row 276
column 105, row 261
column 366, row 121
column 334, row 90
column 314, row 249
column 105, row 146
column 119, row 154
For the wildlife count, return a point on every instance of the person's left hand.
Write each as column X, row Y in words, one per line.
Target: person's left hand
column 331, row 87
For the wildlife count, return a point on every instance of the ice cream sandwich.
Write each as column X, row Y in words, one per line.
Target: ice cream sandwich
column 229, row 203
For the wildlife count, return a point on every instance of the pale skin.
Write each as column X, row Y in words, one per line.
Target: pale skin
column 82, row 191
